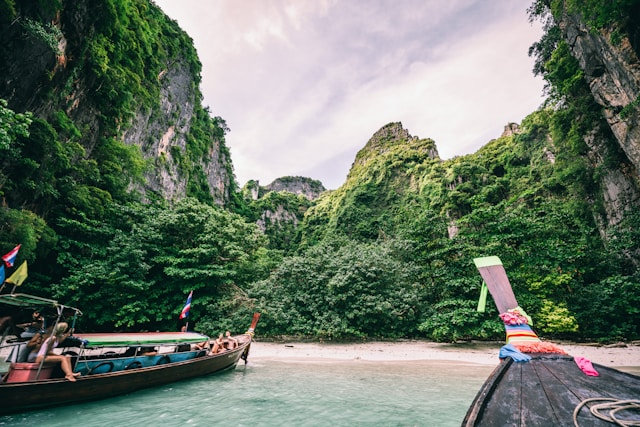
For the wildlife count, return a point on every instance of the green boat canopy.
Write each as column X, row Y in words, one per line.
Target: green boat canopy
column 25, row 300
column 141, row 338
column 107, row 339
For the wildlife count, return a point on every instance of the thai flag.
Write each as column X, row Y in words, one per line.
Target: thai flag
column 187, row 307
column 10, row 257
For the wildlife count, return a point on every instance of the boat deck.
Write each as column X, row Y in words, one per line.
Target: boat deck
column 546, row 391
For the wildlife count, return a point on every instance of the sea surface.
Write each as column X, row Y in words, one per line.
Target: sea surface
column 289, row 393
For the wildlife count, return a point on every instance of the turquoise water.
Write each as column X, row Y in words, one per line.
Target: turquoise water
column 288, row 393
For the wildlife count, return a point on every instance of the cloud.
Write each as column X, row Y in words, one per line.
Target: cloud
column 304, row 85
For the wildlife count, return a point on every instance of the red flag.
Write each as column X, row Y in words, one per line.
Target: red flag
column 10, row 257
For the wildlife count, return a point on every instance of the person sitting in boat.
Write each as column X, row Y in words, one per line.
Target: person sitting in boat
column 230, row 342
column 218, row 345
column 31, row 328
column 201, row 346
column 46, row 353
column 140, row 351
column 147, row 351
column 35, row 343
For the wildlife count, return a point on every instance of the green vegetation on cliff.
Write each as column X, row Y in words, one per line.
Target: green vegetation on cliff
column 517, row 197
column 388, row 254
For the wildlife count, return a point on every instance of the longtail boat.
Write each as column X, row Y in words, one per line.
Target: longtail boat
column 538, row 384
column 111, row 364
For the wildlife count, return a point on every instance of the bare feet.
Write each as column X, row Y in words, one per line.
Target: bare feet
column 71, row 378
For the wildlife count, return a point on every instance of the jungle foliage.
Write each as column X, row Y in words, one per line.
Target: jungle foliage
column 506, row 199
column 136, row 269
column 387, row 255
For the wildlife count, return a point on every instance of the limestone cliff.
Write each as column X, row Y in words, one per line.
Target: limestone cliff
column 389, row 138
column 611, row 69
column 613, row 74
column 279, row 207
column 384, row 176
column 306, row 187
column 121, row 71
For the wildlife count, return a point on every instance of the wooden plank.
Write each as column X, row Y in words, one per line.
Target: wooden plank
column 621, row 385
column 565, row 386
column 560, row 401
column 534, row 407
column 610, row 382
column 504, row 407
column 544, row 392
column 495, row 276
column 478, row 406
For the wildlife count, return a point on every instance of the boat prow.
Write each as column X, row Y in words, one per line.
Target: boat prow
column 550, row 387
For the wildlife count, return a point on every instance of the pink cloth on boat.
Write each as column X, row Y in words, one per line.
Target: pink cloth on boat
column 586, row 366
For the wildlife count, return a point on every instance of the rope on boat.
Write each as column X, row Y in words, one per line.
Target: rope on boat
column 613, row 406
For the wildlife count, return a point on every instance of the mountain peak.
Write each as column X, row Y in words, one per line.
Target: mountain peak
column 392, row 137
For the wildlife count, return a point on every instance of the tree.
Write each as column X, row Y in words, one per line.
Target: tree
column 12, row 125
column 341, row 289
column 138, row 268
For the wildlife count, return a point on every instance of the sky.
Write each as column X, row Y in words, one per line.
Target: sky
column 304, row 84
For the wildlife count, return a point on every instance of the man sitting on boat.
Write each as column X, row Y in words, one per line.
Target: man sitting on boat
column 32, row 328
column 223, row 343
column 218, row 345
column 46, row 353
column 230, row 342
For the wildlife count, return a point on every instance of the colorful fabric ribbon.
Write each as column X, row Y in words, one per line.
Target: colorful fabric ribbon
column 509, row 350
column 516, row 316
column 517, row 333
column 586, row 366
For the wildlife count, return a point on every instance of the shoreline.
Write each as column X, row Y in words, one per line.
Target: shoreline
column 403, row 351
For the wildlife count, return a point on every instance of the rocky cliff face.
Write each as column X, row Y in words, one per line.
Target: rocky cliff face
column 391, row 143
column 612, row 71
column 383, row 177
column 619, row 185
column 162, row 134
column 298, row 185
column 47, row 71
column 306, row 187
column 613, row 74
column 280, row 206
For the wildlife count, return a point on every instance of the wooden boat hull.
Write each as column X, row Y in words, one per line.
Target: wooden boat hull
column 545, row 391
column 23, row 396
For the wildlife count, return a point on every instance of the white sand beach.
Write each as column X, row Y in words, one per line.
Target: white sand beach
column 475, row 352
